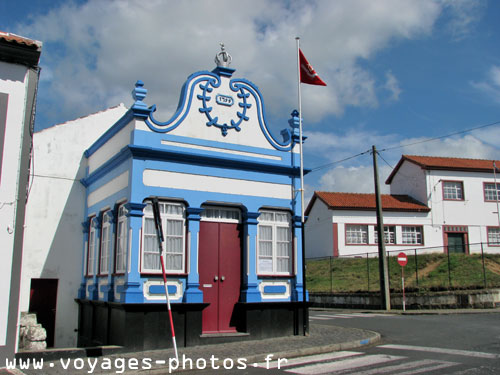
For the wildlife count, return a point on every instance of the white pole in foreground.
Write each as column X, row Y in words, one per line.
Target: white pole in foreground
column 403, row 282
column 159, row 235
column 300, row 136
column 305, row 317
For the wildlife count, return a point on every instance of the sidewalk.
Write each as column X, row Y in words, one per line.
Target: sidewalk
column 408, row 311
column 322, row 339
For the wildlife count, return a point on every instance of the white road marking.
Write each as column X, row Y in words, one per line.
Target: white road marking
column 415, row 367
column 346, row 364
column 443, row 351
column 309, row 359
column 319, row 318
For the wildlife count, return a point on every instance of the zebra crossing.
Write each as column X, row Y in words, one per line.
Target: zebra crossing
column 320, row 317
column 360, row 363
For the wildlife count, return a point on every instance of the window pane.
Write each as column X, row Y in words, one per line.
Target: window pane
column 282, row 234
column 412, row 235
column 357, row 234
column 494, row 236
column 283, row 265
column 174, row 227
column 452, row 190
column 283, row 249
column 174, row 262
column 149, row 226
column 265, row 248
column 490, row 193
column 265, row 232
column 174, row 245
column 266, row 216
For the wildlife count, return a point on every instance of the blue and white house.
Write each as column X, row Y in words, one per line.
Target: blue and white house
column 229, row 194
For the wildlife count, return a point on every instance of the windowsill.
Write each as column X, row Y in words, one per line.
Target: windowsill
column 159, row 274
column 276, row 276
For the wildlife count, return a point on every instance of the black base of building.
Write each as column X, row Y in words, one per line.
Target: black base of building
column 138, row 327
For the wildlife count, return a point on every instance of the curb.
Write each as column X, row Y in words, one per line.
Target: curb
column 372, row 338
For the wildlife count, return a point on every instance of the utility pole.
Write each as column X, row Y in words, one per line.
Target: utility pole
column 385, row 295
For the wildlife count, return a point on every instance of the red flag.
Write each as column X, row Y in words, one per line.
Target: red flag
column 307, row 73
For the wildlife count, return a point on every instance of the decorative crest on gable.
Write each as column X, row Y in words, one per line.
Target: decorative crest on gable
column 223, row 59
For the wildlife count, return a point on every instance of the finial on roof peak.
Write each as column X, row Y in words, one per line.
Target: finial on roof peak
column 223, row 59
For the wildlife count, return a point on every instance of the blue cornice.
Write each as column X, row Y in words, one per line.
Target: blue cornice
column 111, row 164
column 142, row 152
column 119, row 125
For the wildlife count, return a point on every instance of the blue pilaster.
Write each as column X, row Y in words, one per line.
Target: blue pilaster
column 298, row 290
column 83, row 285
column 250, row 288
column 193, row 294
column 94, row 288
column 109, row 290
column 132, row 290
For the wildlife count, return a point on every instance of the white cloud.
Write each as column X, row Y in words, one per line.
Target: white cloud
column 354, row 179
column 491, row 86
column 358, row 178
column 464, row 14
column 96, row 51
column 392, row 85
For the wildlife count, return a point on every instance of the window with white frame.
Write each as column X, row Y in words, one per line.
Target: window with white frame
column 91, row 247
column 494, row 236
column 106, row 235
column 389, row 234
column 411, row 235
column 121, row 240
column 356, row 234
column 173, row 226
column 453, row 190
column 491, row 193
column 275, row 243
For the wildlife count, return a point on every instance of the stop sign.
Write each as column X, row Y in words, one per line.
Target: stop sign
column 402, row 259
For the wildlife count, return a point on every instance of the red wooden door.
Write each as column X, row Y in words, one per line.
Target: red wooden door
column 220, row 274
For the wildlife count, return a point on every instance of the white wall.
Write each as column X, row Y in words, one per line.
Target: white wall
column 13, row 81
column 55, row 211
column 397, row 219
column 472, row 212
column 319, row 231
column 410, row 180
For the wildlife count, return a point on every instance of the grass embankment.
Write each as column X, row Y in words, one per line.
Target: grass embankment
column 426, row 272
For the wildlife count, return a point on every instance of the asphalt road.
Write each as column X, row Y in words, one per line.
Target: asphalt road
column 458, row 344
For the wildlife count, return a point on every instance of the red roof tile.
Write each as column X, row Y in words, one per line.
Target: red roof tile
column 443, row 163
column 366, row 202
column 9, row 37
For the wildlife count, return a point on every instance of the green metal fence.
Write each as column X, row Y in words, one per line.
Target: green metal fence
column 433, row 268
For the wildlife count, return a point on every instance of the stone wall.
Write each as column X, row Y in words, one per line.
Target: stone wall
column 32, row 335
column 460, row 299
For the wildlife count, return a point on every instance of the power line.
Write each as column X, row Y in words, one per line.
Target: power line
column 441, row 137
column 405, row 145
column 339, row 161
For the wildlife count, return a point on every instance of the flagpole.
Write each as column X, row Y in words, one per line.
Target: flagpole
column 305, row 315
column 300, row 135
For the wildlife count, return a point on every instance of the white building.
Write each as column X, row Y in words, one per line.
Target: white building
column 436, row 203
column 18, row 82
column 52, row 262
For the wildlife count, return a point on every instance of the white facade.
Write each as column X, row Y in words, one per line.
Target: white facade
column 18, row 81
column 461, row 216
column 55, row 212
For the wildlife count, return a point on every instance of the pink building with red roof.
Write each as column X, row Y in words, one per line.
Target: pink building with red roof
column 436, row 204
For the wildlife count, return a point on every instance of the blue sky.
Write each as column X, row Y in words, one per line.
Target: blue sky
column 397, row 71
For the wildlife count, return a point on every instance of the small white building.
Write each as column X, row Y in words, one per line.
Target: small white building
column 436, row 204
column 19, row 70
column 51, row 266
